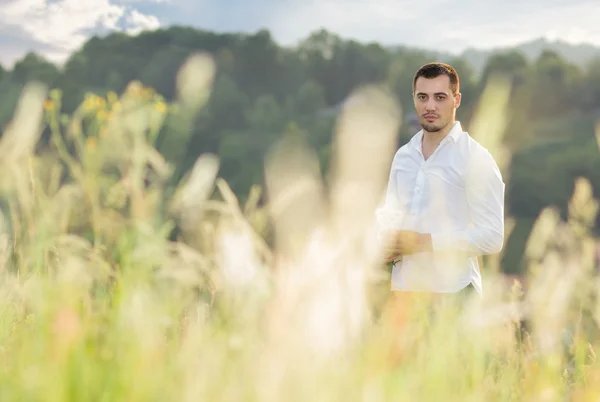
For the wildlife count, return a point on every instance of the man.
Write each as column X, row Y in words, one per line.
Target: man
column 449, row 192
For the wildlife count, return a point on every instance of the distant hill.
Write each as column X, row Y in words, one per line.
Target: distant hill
column 576, row 54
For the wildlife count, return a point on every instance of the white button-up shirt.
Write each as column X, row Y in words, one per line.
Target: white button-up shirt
column 457, row 196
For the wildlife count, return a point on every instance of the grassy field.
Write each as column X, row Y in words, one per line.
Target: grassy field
column 99, row 303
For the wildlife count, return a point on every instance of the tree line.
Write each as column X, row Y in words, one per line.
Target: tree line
column 263, row 90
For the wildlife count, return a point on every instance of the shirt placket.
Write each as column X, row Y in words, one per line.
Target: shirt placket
column 417, row 203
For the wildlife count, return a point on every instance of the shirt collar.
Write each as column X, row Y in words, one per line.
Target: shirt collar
column 455, row 132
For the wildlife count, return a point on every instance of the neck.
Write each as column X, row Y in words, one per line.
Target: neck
column 434, row 138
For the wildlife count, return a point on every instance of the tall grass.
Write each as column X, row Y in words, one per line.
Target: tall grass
column 99, row 303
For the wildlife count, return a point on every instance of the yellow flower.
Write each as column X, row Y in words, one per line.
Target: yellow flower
column 112, row 96
column 101, row 115
column 161, row 107
column 134, row 88
column 100, row 103
column 147, row 93
column 90, row 102
column 48, row 105
column 116, row 106
column 91, row 144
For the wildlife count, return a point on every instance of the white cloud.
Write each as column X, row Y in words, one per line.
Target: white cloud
column 138, row 22
column 61, row 23
column 65, row 25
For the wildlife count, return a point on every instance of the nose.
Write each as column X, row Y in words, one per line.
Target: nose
column 430, row 105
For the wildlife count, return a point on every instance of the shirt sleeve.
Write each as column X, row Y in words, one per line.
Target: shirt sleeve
column 485, row 191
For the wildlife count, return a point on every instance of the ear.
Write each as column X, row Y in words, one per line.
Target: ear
column 457, row 100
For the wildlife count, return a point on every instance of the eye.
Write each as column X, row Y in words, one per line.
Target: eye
column 441, row 97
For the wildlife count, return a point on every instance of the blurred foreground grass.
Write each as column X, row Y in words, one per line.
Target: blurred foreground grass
column 99, row 303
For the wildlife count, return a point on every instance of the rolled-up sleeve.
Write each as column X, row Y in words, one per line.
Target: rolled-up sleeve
column 485, row 191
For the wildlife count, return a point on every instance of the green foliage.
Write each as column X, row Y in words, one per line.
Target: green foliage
column 261, row 89
column 35, row 68
column 545, row 175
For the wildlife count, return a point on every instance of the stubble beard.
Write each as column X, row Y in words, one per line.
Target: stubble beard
column 433, row 128
column 430, row 128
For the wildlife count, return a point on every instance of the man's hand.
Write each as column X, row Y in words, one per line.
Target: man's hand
column 404, row 242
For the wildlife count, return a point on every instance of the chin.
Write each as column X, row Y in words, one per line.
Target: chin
column 430, row 128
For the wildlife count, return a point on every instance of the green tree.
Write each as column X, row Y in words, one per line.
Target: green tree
column 590, row 96
column 308, row 101
column 34, row 67
column 161, row 72
column 514, row 66
column 560, row 80
column 401, row 71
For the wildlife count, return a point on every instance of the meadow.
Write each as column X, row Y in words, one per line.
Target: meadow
column 100, row 301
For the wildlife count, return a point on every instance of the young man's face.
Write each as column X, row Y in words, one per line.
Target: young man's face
column 434, row 102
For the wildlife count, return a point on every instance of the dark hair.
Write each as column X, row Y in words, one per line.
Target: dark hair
column 433, row 70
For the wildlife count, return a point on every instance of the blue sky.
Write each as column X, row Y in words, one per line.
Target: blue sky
column 57, row 27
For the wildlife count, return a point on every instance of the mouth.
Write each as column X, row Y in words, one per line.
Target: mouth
column 430, row 117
